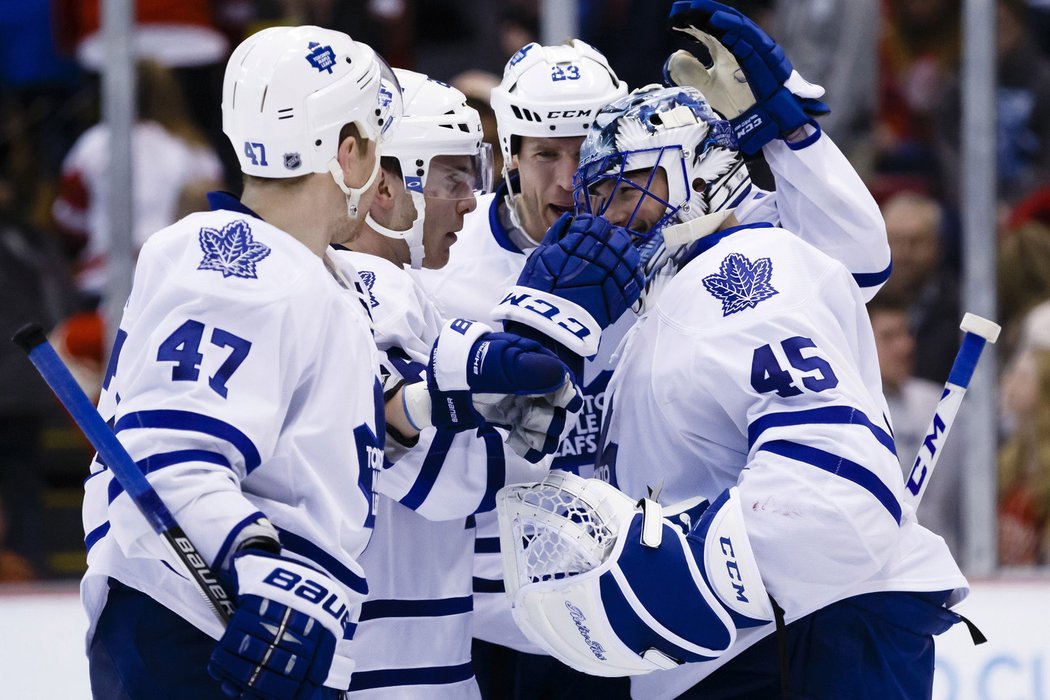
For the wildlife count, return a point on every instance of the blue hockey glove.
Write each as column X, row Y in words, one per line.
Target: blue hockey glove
column 472, row 371
column 783, row 100
column 579, row 281
column 281, row 640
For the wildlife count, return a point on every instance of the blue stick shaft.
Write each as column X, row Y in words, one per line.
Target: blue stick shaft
column 125, row 471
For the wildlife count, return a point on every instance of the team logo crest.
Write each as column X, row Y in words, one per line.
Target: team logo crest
column 231, row 250
column 292, row 161
column 740, row 284
column 321, row 57
column 369, row 278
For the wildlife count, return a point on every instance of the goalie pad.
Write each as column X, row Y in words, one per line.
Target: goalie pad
column 611, row 588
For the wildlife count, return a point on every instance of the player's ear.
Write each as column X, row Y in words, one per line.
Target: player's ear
column 355, row 155
column 388, row 187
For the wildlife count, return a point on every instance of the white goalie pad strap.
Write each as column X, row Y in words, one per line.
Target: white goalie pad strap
column 729, row 562
column 559, row 319
column 451, row 356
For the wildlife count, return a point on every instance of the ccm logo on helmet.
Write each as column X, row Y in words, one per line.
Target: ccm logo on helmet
column 569, row 113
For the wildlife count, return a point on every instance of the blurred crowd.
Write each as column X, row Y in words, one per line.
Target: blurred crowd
column 892, row 72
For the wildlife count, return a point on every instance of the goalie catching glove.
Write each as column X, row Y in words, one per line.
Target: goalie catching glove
column 578, row 282
column 476, row 376
column 751, row 82
column 611, row 587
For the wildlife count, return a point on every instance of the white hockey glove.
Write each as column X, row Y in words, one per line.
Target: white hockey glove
column 476, row 376
column 611, row 588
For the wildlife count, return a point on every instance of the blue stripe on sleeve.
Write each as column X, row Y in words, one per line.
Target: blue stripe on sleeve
column 873, row 279
column 95, row 535
column 224, row 550
column 486, row 545
column 488, row 585
column 839, row 466
column 428, row 473
column 496, row 461
column 395, row 677
column 195, row 422
column 436, row 607
column 827, row 415
column 170, row 459
column 339, row 571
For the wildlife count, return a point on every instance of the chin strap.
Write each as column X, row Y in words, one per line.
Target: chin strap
column 413, row 235
column 353, row 194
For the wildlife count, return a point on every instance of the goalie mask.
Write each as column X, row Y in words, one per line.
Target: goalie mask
column 439, row 148
column 550, row 91
column 288, row 92
column 661, row 163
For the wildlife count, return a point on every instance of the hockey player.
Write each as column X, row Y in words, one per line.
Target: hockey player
column 748, row 390
column 834, row 212
column 415, row 631
column 244, row 381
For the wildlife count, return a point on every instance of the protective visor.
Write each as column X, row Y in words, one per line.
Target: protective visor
column 458, row 176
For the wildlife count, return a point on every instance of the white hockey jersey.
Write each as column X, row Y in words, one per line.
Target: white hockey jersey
column 244, row 383
column 415, row 631
column 757, row 368
column 819, row 197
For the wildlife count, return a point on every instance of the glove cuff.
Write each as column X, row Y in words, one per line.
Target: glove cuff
column 557, row 318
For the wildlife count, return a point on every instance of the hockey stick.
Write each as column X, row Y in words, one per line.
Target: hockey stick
column 32, row 340
column 978, row 332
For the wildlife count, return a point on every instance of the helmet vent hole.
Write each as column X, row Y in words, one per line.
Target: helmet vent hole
column 286, row 113
column 348, row 59
column 317, row 142
column 655, row 119
column 699, row 185
column 262, row 102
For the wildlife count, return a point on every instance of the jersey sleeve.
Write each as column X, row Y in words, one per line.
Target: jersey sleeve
column 822, row 199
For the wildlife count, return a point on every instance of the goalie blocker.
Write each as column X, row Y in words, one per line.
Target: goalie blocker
column 613, row 587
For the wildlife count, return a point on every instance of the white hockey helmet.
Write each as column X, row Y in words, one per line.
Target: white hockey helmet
column 674, row 129
column 436, row 122
column 552, row 91
column 287, row 93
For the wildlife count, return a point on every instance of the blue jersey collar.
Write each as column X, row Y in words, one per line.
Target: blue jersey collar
column 225, row 200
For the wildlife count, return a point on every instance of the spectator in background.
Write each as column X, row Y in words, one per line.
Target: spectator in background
column 173, row 166
column 919, row 56
column 835, row 43
column 1022, row 106
column 911, row 401
column 1024, row 459
column 37, row 288
column 1024, row 276
column 921, row 283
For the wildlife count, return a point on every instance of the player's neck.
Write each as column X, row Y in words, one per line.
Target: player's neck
column 294, row 211
column 373, row 243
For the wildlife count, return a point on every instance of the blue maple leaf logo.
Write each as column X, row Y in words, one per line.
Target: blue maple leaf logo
column 321, row 57
column 231, row 250
column 369, row 278
column 740, row 284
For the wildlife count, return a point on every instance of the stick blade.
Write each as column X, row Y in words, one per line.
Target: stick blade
column 978, row 325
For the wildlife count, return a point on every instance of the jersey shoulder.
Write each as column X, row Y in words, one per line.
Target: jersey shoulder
column 752, row 275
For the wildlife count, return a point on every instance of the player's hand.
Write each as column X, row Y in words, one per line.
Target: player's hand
column 468, row 361
column 280, row 641
column 579, row 281
column 783, row 100
column 537, row 424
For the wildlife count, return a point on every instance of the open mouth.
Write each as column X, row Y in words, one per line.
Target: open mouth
column 559, row 209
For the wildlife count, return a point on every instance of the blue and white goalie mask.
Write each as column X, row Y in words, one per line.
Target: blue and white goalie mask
column 661, row 163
